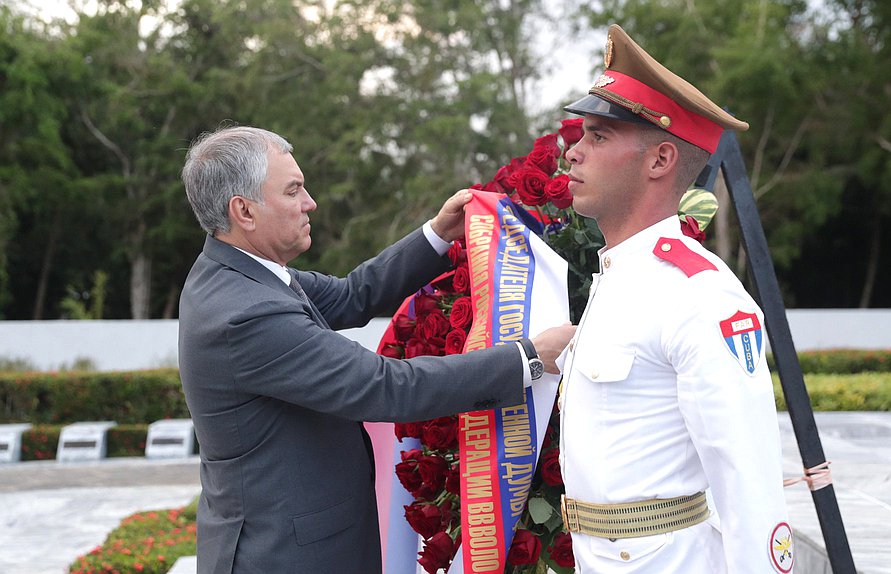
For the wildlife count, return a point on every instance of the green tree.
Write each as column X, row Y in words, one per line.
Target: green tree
column 41, row 188
column 392, row 106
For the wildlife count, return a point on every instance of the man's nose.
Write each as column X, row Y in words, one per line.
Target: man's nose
column 311, row 203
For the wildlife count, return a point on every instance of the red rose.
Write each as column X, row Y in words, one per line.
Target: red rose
column 407, row 470
column 457, row 254
column 500, row 181
column 424, row 304
column 393, row 351
column 403, row 327
column 427, row 519
column 461, row 278
column 454, row 342
column 690, row 228
column 544, row 154
column 530, row 183
column 493, row 187
column 571, row 131
column 560, row 550
column 415, row 347
column 462, row 313
column 516, row 164
column 441, row 433
column 407, row 430
column 436, row 346
column 437, row 552
column 453, row 481
column 443, row 285
column 550, row 468
column 425, row 492
column 525, row 548
column 557, row 191
column 433, row 470
column 435, row 324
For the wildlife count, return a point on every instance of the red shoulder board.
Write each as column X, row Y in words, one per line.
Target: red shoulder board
column 688, row 261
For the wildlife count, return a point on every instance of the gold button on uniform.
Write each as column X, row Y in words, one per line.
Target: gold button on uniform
column 606, row 262
column 625, row 555
column 666, row 247
column 594, row 374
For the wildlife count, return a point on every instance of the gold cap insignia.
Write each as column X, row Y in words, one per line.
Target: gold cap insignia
column 603, row 80
column 608, row 58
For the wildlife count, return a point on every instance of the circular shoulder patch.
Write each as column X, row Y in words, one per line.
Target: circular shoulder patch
column 780, row 548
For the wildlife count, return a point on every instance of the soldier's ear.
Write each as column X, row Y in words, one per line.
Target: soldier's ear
column 663, row 161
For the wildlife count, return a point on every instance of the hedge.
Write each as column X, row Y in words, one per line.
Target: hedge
column 841, row 361
column 858, row 392
column 142, row 397
column 135, row 397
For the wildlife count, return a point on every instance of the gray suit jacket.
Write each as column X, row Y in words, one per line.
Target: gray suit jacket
column 277, row 397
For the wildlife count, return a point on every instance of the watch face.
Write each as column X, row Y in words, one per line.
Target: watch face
column 536, row 368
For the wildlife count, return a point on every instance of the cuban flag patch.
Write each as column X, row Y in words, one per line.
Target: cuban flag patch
column 744, row 338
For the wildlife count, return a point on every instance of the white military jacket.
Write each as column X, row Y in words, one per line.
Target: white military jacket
column 667, row 393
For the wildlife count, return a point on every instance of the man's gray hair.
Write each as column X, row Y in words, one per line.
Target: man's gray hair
column 227, row 163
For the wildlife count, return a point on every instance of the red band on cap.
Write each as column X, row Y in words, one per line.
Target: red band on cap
column 685, row 124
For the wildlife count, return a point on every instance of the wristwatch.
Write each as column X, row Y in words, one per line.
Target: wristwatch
column 536, row 367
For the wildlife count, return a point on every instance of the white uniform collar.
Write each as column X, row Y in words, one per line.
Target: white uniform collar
column 642, row 241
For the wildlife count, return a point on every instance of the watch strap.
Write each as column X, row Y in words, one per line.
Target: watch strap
column 529, row 349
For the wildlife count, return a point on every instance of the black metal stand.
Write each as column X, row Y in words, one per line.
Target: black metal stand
column 729, row 158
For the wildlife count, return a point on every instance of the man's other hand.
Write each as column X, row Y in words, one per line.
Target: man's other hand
column 449, row 222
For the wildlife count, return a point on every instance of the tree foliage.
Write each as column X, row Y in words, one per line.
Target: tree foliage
column 810, row 81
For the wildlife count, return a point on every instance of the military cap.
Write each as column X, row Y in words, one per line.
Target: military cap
column 634, row 87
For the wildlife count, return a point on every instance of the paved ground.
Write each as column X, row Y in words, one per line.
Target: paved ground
column 50, row 513
column 859, row 446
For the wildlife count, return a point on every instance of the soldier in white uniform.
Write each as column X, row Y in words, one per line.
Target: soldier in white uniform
column 667, row 393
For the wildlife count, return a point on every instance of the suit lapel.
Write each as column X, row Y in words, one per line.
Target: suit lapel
column 226, row 255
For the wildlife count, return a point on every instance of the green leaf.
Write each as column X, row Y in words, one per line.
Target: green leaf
column 555, row 522
column 540, row 510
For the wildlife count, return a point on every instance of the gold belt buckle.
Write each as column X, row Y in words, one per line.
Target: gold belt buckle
column 570, row 513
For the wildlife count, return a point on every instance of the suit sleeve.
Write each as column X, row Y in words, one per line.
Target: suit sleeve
column 731, row 417
column 378, row 285
column 277, row 350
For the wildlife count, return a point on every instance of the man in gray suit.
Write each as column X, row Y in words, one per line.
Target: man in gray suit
column 276, row 395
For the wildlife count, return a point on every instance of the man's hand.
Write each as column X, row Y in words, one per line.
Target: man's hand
column 551, row 342
column 449, row 222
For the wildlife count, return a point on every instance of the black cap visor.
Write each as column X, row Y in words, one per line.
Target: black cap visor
column 597, row 106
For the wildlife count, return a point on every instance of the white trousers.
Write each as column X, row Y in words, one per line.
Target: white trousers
column 694, row 550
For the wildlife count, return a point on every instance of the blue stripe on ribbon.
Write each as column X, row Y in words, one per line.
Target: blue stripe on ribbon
column 515, row 426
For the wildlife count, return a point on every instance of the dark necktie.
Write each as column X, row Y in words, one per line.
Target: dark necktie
column 313, row 312
column 295, row 286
